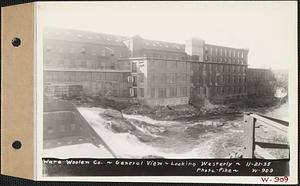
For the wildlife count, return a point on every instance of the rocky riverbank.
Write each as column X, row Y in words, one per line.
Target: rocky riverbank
column 214, row 131
column 184, row 112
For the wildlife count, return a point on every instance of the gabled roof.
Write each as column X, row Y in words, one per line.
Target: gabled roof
column 83, row 36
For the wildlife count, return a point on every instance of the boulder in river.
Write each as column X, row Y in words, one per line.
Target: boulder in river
column 112, row 113
column 121, row 125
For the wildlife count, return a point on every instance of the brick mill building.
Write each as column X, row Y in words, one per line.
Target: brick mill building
column 152, row 72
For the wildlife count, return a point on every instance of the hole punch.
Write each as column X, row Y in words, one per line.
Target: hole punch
column 16, row 144
column 16, row 41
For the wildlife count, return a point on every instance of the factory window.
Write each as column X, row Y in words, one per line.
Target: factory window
column 183, row 91
column 134, row 82
column 141, row 92
column 163, row 78
column 152, row 92
column 227, row 79
column 161, row 92
column 215, row 67
column 151, row 78
column 218, row 90
column 141, row 77
column 222, row 79
column 210, row 67
column 134, row 68
column 173, row 92
column 72, row 76
column 208, row 80
column 171, row 78
column 60, row 77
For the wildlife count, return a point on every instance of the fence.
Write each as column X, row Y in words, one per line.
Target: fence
column 251, row 146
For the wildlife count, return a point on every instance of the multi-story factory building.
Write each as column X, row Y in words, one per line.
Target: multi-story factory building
column 217, row 73
column 87, row 59
column 260, row 82
column 160, row 72
column 158, row 81
column 153, row 72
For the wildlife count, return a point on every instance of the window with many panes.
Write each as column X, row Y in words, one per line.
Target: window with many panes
column 152, row 92
column 141, row 92
column 161, row 92
column 183, row 91
column 141, row 77
column 173, row 92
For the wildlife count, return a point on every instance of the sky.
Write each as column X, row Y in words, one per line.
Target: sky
column 268, row 29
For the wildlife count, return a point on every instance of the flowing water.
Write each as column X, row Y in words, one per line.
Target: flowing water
column 211, row 138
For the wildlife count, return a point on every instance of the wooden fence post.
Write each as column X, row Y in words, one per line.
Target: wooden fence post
column 249, row 136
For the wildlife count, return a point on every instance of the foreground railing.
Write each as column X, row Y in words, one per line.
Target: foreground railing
column 251, row 146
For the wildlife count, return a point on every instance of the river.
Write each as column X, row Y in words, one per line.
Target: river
column 217, row 137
